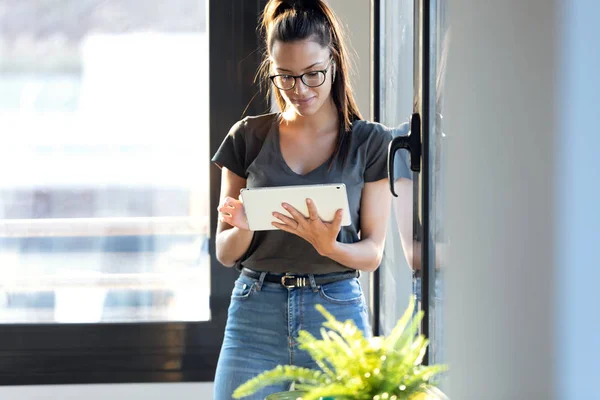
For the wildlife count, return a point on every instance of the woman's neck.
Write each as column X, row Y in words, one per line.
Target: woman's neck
column 324, row 120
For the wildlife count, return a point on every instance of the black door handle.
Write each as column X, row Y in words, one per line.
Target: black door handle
column 412, row 143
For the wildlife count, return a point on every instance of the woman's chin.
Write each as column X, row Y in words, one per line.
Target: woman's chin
column 305, row 111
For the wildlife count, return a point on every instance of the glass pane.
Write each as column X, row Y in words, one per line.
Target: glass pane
column 104, row 195
column 437, row 149
column 396, row 55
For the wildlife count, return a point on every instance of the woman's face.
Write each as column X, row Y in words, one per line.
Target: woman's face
column 297, row 58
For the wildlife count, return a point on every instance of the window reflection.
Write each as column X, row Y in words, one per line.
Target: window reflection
column 104, row 195
column 401, row 90
column 396, row 83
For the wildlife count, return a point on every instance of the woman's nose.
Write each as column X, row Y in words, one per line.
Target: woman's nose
column 300, row 87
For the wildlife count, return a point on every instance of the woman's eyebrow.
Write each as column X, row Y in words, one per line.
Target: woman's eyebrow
column 307, row 68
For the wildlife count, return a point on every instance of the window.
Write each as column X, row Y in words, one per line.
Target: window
column 104, row 216
column 413, row 48
column 396, row 106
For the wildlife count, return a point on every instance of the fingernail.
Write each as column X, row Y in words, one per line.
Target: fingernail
column 284, row 205
column 309, row 201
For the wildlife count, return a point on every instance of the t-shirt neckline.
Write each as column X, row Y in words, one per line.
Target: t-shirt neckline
column 277, row 143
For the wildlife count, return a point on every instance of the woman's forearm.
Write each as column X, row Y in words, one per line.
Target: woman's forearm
column 232, row 244
column 363, row 256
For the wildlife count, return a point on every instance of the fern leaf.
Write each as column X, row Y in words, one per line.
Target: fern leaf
column 398, row 330
column 424, row 374
column 346, row 329
column 406, row 338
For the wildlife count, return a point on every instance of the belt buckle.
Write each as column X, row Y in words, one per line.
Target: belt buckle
column 300, row 282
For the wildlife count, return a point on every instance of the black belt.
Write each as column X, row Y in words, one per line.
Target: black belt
column 299, row 280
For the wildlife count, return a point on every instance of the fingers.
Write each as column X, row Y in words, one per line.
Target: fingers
column 295, row 213
column 292, row 223
column 227, row 209
column 227, row 218
column 228, row 204
column 283, row 227
column 313, row 215
column 337, row 220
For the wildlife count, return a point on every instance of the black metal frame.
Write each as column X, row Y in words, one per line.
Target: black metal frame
column 425, row 54
column 376, row 116
column 154, row 352
column 421, row 223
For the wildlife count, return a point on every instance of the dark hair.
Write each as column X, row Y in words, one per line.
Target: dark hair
column 293, row 20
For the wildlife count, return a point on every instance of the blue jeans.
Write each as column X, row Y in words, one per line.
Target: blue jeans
column 263, row 323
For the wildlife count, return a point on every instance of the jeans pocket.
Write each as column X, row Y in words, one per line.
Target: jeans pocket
column 242, row 290
column 344, row 292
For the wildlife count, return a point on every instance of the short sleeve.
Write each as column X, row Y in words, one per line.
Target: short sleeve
column 232, row 152
column 376, row 160
column 402, row 159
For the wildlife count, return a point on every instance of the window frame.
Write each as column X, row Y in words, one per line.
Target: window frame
column 34, row 354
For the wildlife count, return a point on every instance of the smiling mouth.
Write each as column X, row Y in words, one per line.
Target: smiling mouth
column 302, row 101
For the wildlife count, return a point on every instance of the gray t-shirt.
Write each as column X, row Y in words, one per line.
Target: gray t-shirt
column 251, row 150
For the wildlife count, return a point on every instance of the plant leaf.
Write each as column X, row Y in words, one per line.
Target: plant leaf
column 398, row 330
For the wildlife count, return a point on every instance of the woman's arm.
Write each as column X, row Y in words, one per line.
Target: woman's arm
column 403, row 208
column 364, row 255
column 233, row 235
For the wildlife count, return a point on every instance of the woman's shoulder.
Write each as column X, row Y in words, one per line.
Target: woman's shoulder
column 368, row 129
column 254, row 125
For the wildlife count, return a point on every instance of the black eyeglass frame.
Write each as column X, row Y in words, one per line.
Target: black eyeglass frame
column 321, row 71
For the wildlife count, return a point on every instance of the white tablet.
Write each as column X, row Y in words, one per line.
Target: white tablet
column 260, row 203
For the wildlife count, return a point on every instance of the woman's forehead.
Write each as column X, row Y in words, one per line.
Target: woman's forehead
column 298, row 55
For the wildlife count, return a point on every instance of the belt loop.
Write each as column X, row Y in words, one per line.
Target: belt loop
column 260, row 281
column 313, row 284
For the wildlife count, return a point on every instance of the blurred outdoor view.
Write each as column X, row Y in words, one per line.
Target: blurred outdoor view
column 103, row 161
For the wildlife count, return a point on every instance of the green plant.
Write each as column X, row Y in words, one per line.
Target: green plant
column 353, row 367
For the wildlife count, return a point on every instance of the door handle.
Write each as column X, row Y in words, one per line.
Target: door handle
column 410, row 142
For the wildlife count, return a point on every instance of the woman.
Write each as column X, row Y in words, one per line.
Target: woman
column 318, row 138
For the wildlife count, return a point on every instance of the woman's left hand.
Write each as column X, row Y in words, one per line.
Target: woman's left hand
column 322, row 235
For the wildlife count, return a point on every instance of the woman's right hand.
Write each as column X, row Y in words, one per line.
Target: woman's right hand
column 232, row 212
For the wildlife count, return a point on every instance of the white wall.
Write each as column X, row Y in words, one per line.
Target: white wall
column 523, row 123
column 355, row 16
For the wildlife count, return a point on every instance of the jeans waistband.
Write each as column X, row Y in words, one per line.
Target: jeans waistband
column 299, row 280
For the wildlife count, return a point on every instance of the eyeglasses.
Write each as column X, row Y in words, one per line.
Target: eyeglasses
column 310, row 79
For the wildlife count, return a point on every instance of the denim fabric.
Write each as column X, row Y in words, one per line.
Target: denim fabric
column 263, row 323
